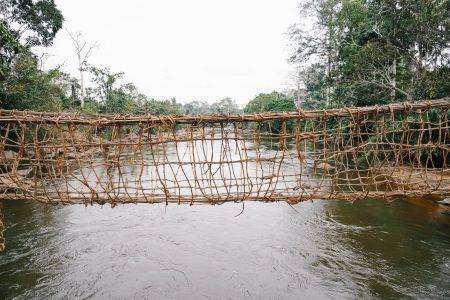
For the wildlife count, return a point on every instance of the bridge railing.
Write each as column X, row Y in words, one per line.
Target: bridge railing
column 379, row 152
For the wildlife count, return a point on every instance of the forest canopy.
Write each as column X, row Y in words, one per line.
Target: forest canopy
column 372, row 52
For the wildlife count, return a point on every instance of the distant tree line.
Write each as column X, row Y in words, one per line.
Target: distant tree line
column 107, row 95
column 25, row 24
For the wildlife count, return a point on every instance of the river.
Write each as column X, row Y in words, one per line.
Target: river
column 320, row 249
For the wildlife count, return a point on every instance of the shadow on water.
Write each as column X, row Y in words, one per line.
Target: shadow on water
column 325, row 249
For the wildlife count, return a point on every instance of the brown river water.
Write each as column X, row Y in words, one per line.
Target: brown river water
column 321, row 249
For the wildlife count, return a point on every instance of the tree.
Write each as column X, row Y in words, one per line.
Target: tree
column 83, row 51
column 375, row 51
column 104, row 81
column 113, row 98
column 389, row 45
column 274, row 102
column 30, row 88
column 316, row 45
column 24, row 24
column 298, row 79
column 9, row 48
column 197, row 108
column 31, row 22
column 225, row 106
column 317, row 88
column 108, row 95
column 163, row 107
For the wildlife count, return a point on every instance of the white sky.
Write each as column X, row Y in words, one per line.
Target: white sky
column 191, row 50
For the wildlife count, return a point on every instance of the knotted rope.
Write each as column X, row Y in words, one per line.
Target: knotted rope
column 381, row 152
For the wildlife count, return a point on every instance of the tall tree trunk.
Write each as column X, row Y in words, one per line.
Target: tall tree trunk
column 81, row 87
column 394, row 79
column 80, row 69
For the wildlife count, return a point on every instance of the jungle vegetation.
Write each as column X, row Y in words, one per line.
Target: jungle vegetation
column 366, row 52
column 24, row 84
column 347, row 53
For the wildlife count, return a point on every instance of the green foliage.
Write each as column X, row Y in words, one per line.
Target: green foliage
column 9, row 46
column 374, row 52
column 196, row 108
column 164, row 107
column 273, row 102
column 30, row 88
column 90, row 106
column 366, row 52
column 36, row 22
column 23, row 85
column 224, row 107
column 316, row 84
column 105, row 83
column 24, row 24
column 111, row 97
column 433, row 84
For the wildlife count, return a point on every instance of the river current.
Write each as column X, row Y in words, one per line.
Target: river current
column 315, row 249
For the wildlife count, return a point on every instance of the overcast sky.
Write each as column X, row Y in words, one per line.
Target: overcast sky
column 191, row 50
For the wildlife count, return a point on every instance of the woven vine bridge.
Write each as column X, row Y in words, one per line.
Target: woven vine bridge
column 378, row 152
column 384, row 152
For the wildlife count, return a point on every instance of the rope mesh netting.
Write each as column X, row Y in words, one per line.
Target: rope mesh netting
column 378, row 152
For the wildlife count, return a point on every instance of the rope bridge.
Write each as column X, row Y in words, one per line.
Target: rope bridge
column 377, row 152
column 386, row 152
